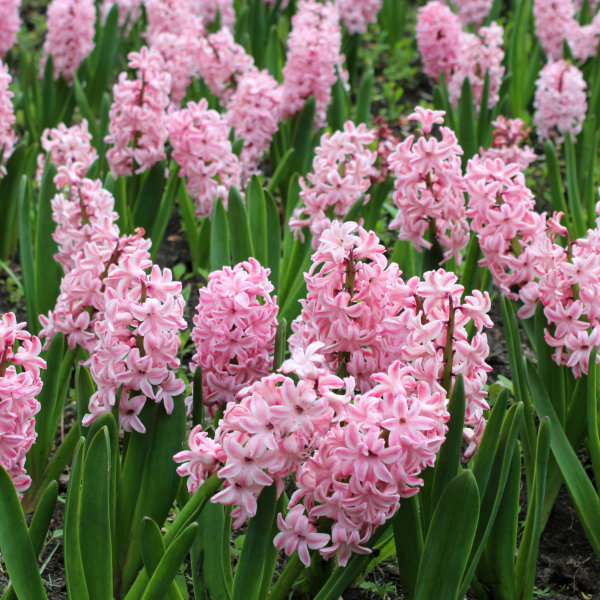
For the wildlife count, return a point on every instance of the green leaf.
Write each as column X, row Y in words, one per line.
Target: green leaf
column 241, row 238
column 273, row 239
column 169, row 565
column 167, row 202
column 337, row 112
column 248, row 573
column 408, row 535
column 86, row 110
column 580, row 489
column 147, row 204
column 15, row 544
column 257, row 219
column 363, row 102
column 303, row 137
column 573, row 188
column 453, row 526
column 280, row 344
column 467, row 134
column 94, row 523
column 26, row 254
column 592, row 416
column 281, row 170
column 219, row 238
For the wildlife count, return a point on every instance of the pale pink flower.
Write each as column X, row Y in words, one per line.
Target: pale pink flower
column 357, row 15
column 9, row 25
column 473, row 11
column 70, row 36
column 509, row 134
column 560, row 101
column 8, row 138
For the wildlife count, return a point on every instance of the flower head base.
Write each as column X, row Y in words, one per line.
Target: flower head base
column 20, row 383
column 234, row 331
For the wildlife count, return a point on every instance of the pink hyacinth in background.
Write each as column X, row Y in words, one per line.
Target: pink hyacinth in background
column 234, row 331
column 8, row 137
column 201, row 146
column 254, row 111
column 138, row 118
column 356, row 15
column 314, row 58
column 70, row 36
column 560, row 101
column 342, row 171
column 20, row 383
column 509, row 134
column 473, row 11
column 438, row 33
column 68, row 146
column 9, row 25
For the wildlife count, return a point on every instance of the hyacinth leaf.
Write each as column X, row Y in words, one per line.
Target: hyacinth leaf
column 273, row 239
column 257, row 30
column 280, row 344
column 257, row 220
column 281, row 170
column 484, row 459
column 343, row 577
column 86, row 110
column 483, row 122
column 449, row 540
column 153, row 549
column 573, row 187
column 471, row 268
column 248, row 573
column 190, row 226
column 592, row 417
column 441, row 101
column 392, row 18
column 26, row 253
column 492, row 496
column 241, row 238
column 292, row 201
column 578, row 484
column 169, row 565
column 147, row 203
column 534, row 60
column 502, row 543
column 408, row 535
column 15, row 544
column 271, row 553
column 517, row 58
column 219, row 238
column 365, row 94
column 75, row 575
column 372, row 210
column 103, row 123
column 528, row 550
column 197, row 404
column 167, row 201
column 494, row 12
column 518, row 371
column 48, row 94
column 28, row 103
column 84, row 388
column 275, row 56
column 291, row 307
column 337, row 113
column 103, row 57
column 556, row 186
column 150, row 496
column 210, row 559
column 448, row 459
column 47, row 277
column 94, row 518
column 467, row 134
column 303, row 137
column 292, row 270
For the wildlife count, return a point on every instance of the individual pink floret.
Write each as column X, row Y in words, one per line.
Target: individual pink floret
column 357, row 15
column 201, row 146
column 438, row 33
column 314, row 58
column 138, row 118
column 560, row 101
column 234, row 331
column 509, row 134
column 18, row 391
column 9, row 25
column 254, row 111
column 70, row 36
column 8, row 137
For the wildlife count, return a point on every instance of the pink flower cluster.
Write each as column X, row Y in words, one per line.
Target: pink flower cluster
column 314, row 56
column 429, row 188
column 234, row 331
column 20, row 383
column 68, row 146
column 254, row 111
column 560, row 101
column 118, row 306
column 353, row 458
column 343, row 168
column 503, row 216
column 9, row 24
column 170, row 16
column 70, row 36
column 356, row 16
column 8, row 137
column 555, row 22
column 509, row 134
column 459, row 55
column 473, row 11
column 138, row 118
column 201, row 146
